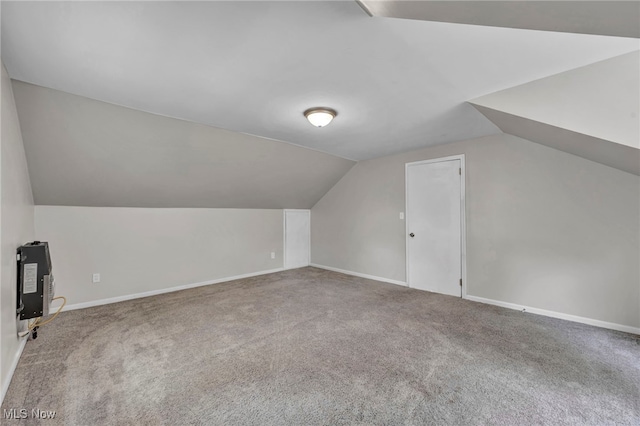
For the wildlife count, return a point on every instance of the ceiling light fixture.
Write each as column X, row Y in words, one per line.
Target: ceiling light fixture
column 320, row 116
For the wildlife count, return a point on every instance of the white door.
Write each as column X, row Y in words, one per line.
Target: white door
column 434, row 225
column 297, row 236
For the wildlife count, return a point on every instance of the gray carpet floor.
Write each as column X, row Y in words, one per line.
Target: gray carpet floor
column 313, row 347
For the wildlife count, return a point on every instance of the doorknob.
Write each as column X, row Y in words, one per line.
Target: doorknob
column 412, row 235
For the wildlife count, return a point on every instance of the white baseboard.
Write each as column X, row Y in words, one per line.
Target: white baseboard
column 560, row 315
column 358, row 274
column 161, row 291
column 12, row 369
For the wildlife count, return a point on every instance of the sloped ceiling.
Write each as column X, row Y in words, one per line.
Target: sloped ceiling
column 209, row 75
column 83, row 152
column 614, row 18
column 592, row 111
column 611, row 154
column 254, row 67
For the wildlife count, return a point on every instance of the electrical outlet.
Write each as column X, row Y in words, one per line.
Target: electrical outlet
column 401, row 215
column 273, row 254
column 96, row 278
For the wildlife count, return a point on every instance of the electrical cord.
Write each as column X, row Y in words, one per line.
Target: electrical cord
column 38, row 321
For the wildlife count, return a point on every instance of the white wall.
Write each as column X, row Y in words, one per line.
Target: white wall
column 138, row 250
column 545, row 229
column 17, row 226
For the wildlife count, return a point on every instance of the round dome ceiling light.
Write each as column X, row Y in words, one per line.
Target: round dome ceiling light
column 320, row 116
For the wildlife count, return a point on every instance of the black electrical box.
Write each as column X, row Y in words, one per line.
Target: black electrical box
column 35, row 281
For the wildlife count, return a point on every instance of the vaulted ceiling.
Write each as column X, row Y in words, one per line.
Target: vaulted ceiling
column 592, row 111
column 603, row 17
column 83, row 152
column 247, row 71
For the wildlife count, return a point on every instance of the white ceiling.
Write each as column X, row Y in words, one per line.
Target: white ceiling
column 254, row 67
column 605, row 17
column 622, row 157
column 591, row 111
column 600, row 100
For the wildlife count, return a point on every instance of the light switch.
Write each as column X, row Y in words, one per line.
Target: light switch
column 273, row 254
column 401, row 215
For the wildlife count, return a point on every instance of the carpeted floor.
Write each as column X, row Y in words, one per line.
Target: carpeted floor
column 311, row 347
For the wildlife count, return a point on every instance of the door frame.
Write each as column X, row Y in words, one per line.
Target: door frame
column 463, row 232
column 284, row 235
